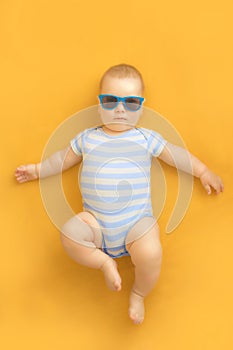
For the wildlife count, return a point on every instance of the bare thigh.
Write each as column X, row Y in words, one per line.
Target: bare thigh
column 140, row 229
column 143, row 242
column 84, row 229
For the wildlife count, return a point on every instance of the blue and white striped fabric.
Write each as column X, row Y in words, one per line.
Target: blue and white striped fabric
column 115, row 180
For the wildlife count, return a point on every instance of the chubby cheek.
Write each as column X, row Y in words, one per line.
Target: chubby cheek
column 106, row 116
column 134, row 117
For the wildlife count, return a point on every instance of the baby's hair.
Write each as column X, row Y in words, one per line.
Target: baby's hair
column 122, row 71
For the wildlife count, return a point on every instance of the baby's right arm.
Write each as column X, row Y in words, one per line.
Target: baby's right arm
column 56, row 163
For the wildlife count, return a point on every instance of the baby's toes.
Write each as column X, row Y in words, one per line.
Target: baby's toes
column 135, row 317
column 136, row 308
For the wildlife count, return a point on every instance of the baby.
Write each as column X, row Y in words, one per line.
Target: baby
column 112, row 226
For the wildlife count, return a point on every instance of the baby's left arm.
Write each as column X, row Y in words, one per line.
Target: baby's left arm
column 184, row 160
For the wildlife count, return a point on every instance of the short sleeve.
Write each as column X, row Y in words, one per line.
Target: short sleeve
column 76, row 144
column 156, row 143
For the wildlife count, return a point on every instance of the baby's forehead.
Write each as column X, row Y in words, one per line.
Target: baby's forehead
column 124, row 79
column 121, row 85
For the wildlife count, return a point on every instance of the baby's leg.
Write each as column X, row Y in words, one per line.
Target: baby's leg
column 81, row 237
column 146, row 255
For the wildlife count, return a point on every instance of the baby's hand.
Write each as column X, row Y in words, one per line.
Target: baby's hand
column 26, row 173
column 209, row 179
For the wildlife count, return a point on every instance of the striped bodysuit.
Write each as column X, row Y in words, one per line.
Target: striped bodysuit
column 115, row 180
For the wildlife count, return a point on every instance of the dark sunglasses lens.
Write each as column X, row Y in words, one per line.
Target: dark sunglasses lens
column 109, row 102
column 133, row 103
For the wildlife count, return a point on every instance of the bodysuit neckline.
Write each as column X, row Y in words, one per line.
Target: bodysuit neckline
column 125, row 133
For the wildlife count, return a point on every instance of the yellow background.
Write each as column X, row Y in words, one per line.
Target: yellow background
column 53, row 54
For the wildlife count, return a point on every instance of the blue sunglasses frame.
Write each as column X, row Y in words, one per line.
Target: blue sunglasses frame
column 121, row 99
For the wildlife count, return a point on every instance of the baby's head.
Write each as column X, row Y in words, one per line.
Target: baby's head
column 120, row 81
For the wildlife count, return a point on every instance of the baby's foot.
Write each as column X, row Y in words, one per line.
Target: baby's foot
column 111, row 275
column 136, row 307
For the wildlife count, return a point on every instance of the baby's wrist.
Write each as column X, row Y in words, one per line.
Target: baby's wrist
column 203, row 172
column 37, row 170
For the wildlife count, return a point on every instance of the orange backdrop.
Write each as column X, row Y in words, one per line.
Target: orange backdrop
column 53, row 54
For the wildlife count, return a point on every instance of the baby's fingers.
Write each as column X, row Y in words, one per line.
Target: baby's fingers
column 20, row 170
column 207, row 188
column 211, row 181
column 219, row 187
column 21, row 178
column 26, row 173
column 20, row 174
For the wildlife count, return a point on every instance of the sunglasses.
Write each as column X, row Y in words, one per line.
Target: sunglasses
column 132, row 103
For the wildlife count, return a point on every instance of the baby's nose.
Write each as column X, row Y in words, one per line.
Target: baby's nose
column 120, row 107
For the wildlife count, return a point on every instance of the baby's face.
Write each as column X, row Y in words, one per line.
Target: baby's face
column 120, row 119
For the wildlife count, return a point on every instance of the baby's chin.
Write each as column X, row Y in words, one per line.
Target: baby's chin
column 119, row 127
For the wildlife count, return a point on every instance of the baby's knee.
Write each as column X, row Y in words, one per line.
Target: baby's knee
column 84, row 229
column 66, row 242
column 148, row 256
column 157, row 253
column 76, row 230
column 153, row 255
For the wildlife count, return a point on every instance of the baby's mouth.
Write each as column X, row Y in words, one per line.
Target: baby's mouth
column 119, row 118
